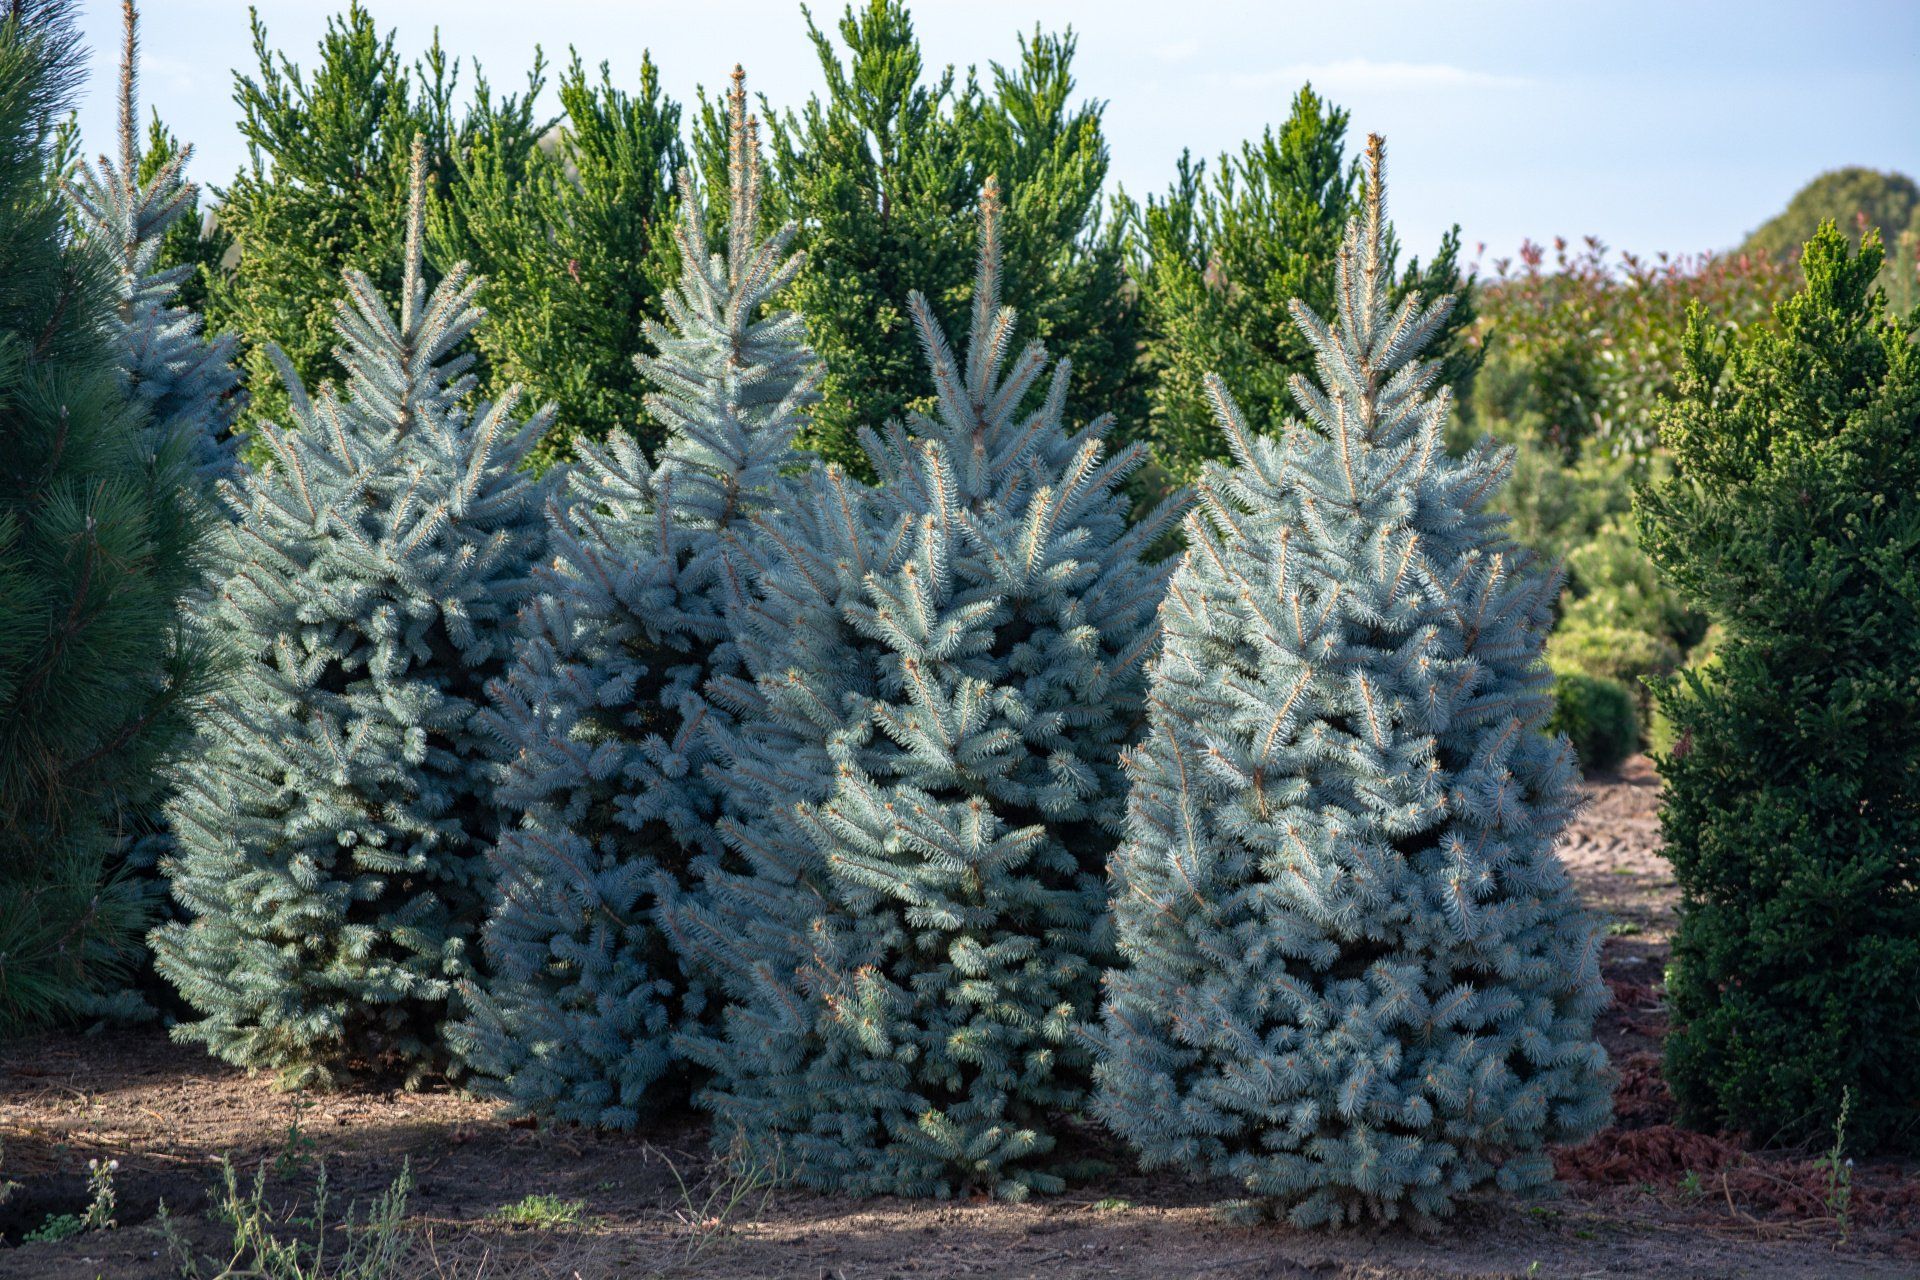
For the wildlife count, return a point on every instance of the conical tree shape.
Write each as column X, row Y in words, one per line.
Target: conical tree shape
column 603, row 716
column 925, row 785
column 883, row 170
column 97, row 550
column 1359, row 981
column 333, row 818
column 187, row 382
column 325, row 185
column 1221, row 257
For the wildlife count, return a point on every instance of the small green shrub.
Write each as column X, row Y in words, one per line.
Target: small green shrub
column 57, row 1227
column 1620, row 654
column 1612, row 583
column 99, row 1211
column 1631, row 659
column 1598, row 715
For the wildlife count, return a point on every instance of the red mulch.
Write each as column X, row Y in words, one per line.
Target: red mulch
column 1641, row 1100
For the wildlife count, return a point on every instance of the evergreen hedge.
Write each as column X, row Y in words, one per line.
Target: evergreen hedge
column 1792, row 812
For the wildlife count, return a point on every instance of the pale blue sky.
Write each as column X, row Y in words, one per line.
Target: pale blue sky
column 1675, row 125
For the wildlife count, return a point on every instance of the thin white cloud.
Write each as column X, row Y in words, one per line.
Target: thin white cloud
column 1178, row 51
column 175, row 73
column 1364, row 75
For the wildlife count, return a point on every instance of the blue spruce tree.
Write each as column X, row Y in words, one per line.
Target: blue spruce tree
column 602, row 714
column 1359, row 982
column 925, row 784
column 186, row 384
column 186, row 381
column 332, row 820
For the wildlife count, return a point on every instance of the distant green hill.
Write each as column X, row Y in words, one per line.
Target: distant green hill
column 1889, row 201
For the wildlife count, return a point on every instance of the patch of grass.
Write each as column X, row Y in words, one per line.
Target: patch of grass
column 1623, row 929
column 544, row 1212
column 1112, row 1204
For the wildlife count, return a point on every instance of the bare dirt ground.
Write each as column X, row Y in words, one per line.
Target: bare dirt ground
column 1642, row 1199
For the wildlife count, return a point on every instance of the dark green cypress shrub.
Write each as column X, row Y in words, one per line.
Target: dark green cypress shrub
column 575, row 239
column 1220, row 257
column 325, row 187
column 1793, row 785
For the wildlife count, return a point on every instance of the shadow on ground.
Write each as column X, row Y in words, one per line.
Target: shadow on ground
column 1644, row 1199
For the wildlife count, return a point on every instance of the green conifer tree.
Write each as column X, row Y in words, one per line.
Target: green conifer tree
column 1792, row 812
column 325, row 187
column 1220, row 260
column 332, row 818
column 571, row 237
column 97, row 543
column 194, row 240
column 883, row 175
column 603, row 713
column 924, row 785
column 1358, row 982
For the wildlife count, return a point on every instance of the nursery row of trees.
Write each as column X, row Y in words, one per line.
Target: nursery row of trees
column 823, row 738
column 572, row 221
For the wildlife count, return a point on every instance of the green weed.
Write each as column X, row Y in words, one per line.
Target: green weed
column 268, row 1246
column 734, row 1192
column 545, row 1212
column 1838, row 1169
column 297, row 1147
column 98, row 1215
